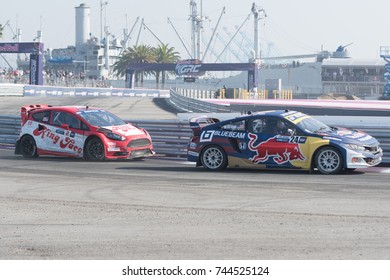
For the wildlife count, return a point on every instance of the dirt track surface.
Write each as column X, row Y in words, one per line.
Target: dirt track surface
column 57, row 208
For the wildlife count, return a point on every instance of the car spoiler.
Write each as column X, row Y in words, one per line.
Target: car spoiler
column 25, row 110
column 197, row 123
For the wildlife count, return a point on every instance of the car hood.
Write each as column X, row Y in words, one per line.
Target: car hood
column 126, row 130
column 348, row 136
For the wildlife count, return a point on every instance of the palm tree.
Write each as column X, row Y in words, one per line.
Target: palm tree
column 1, row 31
column 137, row 54
column 165, row 54
column 119, row 67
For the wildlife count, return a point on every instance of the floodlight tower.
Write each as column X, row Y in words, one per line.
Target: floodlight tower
column 257, row 12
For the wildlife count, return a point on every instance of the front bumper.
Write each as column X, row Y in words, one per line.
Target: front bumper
column 363, row 160
column 136, row 148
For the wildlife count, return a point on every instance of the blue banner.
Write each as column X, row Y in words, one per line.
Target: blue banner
column 36, row 68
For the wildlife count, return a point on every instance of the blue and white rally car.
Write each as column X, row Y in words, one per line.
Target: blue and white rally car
column 280, row 139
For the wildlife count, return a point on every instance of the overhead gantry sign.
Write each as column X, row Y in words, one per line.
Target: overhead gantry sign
column 193, row 68
column 36, row 58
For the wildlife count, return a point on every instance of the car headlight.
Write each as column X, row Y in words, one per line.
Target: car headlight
column 114, row 136
column 111, row 135
column 355, row 147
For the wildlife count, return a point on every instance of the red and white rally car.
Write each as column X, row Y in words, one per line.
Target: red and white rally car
column 80, row 131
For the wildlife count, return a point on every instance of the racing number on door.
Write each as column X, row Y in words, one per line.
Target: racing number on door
column 297, row 139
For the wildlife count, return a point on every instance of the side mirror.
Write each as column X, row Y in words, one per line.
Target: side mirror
column 65, row 126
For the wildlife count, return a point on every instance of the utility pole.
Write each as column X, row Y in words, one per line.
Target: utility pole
column 102, row 4
column 107, row 48
column 257, row 12
column 196, row 29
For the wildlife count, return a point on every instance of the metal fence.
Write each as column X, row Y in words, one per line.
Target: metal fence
column 170, row 137
column 188, row 104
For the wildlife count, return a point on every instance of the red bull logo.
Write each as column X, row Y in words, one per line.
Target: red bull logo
column 280, row 152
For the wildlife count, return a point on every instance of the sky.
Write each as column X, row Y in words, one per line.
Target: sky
column 290, row 28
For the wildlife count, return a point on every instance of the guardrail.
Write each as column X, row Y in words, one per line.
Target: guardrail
column 33, row 90
column 187, row 104
column 170, row 137
column 11, row 90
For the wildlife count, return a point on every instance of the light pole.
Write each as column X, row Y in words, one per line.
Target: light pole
column 102, row 4
column 256, row 12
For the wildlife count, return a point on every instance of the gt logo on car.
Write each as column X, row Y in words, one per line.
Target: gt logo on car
column 207, row 136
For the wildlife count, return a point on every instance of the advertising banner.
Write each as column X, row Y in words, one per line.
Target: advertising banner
column 21, row 47
column 36, row 68
column 36, row 58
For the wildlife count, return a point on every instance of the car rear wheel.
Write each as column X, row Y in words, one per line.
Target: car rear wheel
column 328, row 160
column 28, row 148
column 94, row 149
column 214, row 158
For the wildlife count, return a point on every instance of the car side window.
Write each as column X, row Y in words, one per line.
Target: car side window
column 234, row 126
column 60, row 118
column 41, row 116
column 256, row 125
column 269, row 125
column 275, row 126
column 57, row 118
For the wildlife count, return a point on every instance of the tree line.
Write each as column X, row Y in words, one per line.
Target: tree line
column 146, row 54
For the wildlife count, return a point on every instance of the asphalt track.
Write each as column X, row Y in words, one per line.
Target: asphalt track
column 61, row 208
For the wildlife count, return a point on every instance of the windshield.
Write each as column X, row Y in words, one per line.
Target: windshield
column 313, row 126
column 100, row 118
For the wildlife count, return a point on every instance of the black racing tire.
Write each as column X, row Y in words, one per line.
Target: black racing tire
column 350, row 169
column 214, row 158
column 28, row 147
column 94, row 149
column 139, row 158
column 328, row 160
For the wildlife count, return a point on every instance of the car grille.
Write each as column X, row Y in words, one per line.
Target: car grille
column 143, row 142
column 140, row 153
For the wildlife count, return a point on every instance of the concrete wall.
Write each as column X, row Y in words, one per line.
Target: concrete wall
column 11, row 90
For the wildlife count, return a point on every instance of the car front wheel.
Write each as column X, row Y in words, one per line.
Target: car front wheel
column 214, row 158
column 328, row 160
column 28, row 148
column 94, row 149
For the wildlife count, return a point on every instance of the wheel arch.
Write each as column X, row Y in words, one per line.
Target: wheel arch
column 209, row 145
column 18, row 144
column 90, row 137
column 313, row 157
